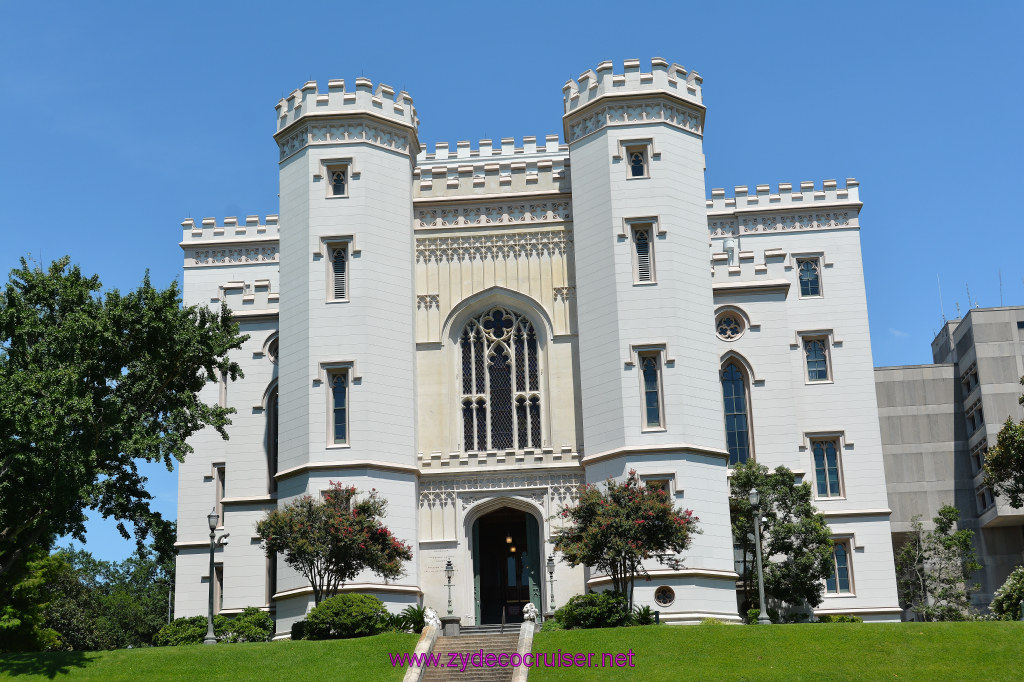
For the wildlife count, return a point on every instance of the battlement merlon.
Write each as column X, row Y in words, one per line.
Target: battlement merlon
column 806, row 197
column 382, row 102
column 486, row 149
column 593, row 85
column 209, row 231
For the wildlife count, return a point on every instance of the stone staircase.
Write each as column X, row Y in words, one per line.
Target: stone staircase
column 472, row 640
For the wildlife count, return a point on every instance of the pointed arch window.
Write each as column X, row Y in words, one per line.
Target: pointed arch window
column 500, row 368
column 737, row 413
column 272, row 441
column 810, row 277
column 339, row 406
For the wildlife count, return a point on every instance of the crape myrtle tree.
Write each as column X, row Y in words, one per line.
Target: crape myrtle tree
column 1004, row 464
column 91, row 383
column 934, row 568
column 614, row 528
column 330, row 541
column 796, row 542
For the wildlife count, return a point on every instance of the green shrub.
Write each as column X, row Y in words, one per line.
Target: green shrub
column 299, row 630
column 1006, row 602
column 710, row 621
column 182, row 631
column 551, row 625
column 595, row 610
column 839, row 618
column 797, row 617
column 643, row 615
column 752, row 616
column 346, row 616
column 251, row 625
column 415, row 618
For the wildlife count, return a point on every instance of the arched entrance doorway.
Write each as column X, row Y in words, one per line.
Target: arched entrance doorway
column 506, row 565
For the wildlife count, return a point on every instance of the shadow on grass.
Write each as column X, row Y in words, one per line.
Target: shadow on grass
column 48, row 664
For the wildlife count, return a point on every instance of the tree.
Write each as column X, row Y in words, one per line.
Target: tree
column 331, row 541
column 1007, row 599
column 796, row 542
column 1004, row 464
column 91, row 383
column 933, row 568
column 616, row 528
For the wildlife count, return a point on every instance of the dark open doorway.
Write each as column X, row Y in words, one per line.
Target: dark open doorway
column 506, row 565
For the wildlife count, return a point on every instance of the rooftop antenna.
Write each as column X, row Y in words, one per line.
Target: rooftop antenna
column 942, row 309
column 976, row 305
column 1000, row 288
column 958, row 309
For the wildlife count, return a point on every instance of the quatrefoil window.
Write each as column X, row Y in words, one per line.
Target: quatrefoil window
column 729, row 326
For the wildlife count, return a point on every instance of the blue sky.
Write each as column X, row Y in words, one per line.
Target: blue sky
column 121, row 119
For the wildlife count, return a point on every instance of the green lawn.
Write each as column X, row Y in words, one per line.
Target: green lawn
column 363, row 660
column 841, row 651
column 818, row 651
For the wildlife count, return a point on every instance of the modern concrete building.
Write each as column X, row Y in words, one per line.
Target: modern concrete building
column 937, row 422
column 475, row 331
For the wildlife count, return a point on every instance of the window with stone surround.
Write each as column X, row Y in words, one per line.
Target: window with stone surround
column 339, row 272
column 650, row 375
column 338, row 383
column 816, row 354
column 810, row 277
column 736, row 396
column 827, row 468
column 840, row 581
column 337, row 176
column 500, row 376
column 219, row 488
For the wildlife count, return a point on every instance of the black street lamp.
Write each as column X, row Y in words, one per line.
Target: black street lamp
column 551, row 582
column 755, row 501
column 213, row 518
column 449, row 571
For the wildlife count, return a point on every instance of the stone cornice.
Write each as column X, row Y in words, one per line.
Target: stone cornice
column 634, row 109
column 354, row 587
column 347, row 464
column 669, row 573
column 669, row 448
column 759, row 286
column 337, row 128
column 497, row 213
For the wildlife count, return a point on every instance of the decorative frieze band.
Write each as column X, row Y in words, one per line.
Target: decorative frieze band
column 637, row 112
column 562, row 488
column 494, row 246
column 427, row 301
column 755, row 222
column 336, row 133
column 231, row 256
column 564, row 293
column 499, row 214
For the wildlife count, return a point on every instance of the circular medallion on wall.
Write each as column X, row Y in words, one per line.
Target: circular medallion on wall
column 664, row 595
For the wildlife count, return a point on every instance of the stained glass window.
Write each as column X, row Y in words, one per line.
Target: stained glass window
column 737, row 420
column 826, row 468
column 500, row 382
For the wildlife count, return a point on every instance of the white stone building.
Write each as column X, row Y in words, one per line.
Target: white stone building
column 475, row 331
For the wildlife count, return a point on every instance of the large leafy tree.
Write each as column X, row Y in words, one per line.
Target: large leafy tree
column 796, row 542
column 1004, row 464
column 91, row 383
column 616, row 527
column 331, row 541
column 934, row 568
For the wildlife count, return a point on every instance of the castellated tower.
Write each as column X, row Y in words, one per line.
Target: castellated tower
column 647, row 362
column 347, row 365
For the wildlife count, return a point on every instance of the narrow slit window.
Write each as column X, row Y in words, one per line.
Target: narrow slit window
column 220, row 482
column 643, row 254
column 339, row 396
column 652, row 391
column 339, row 272
column 737, row 416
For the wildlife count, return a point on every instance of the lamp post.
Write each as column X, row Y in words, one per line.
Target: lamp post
column 551, row 582
column 755, row 501
column 213, row 518
column 449, row 571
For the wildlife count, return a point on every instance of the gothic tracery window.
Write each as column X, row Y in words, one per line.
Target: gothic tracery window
column 737, row 416
column 810, row 277
column 500, row 382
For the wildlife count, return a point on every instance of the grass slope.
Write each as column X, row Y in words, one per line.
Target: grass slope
column 364, row 660
column 819, row 651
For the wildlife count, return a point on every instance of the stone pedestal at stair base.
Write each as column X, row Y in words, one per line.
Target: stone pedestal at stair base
column 451, row 625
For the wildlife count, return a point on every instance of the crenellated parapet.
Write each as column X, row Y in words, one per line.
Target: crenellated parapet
column 507, row 146
column 600, row 98
column 811, row 207
column 380, row 101
column 230, row 242
column 593, row 84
